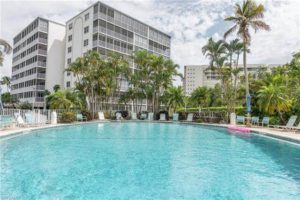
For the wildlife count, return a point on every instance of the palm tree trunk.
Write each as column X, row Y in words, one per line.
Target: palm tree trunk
column 246, row 81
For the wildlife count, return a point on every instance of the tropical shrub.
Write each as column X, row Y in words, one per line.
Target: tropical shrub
column 68, row 117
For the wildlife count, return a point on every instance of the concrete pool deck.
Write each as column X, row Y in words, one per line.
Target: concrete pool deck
column 288, row 135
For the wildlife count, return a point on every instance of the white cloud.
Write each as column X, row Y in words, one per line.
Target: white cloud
column 190, row 22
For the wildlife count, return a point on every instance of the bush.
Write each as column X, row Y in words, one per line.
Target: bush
column 68, row 117
column 87, row 114
column 24, row 105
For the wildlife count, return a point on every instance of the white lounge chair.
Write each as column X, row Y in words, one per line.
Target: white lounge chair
column 175, row 116
column 133, row 116
column 290, row 123
column 119, row 116
column 150, row 116
column 20, row 120
column 162, row 117
column 101, row 116
column 190, row 117
column 80, row 117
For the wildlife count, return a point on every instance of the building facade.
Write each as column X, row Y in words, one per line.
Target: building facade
column 38, row 60
column 104, row 29
column 201, row 75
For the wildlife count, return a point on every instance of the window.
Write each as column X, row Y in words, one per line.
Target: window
column 86, row 42
column 68, row 73
column 68, row 84
column 69, row 61
column 69, row 38
column 70, row 26
column 86, row 29
column 69, row 49
column 86, row 16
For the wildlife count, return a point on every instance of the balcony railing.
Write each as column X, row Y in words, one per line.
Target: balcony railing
column 39, row 99
column 41, row 64
column 39, row 87
column 42, row 52
column 44, row 29
column 41, row 75
column 43, row 40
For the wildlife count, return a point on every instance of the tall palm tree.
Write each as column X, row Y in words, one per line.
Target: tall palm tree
column 5, row 48
column 246, row 16
column 6, row 81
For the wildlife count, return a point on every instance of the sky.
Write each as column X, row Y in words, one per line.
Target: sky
column 189, row 22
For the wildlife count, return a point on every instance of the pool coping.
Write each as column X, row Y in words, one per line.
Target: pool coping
column 270, row 133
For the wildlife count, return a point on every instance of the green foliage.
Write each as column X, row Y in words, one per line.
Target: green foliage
column 68, row 117
column 24, row 105
column 173, row 97
column 66, row 99
column 7, row 98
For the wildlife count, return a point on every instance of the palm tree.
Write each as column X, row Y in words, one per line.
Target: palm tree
column 56, row 88
column 246, row 16
column 214, row 51
column 274, row 98
column 174, row 97
column 65, row 99
column 201, row 96
column 5, row 49
column 6, row 81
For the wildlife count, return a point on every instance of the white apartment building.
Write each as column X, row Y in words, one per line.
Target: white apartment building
column 104, row 29
column 38, row 60
column 200, row 75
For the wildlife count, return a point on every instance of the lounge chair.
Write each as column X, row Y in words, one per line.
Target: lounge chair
column 143, row 116
column 175, row 116
column 150, row 116
column 265, row 121
column 190, row 117
column 119, row 116
column 240, row 119
column 101, row 116
column 162, row 117
column 255, row 120
column 290, row 123
column 133, row 116
column 30, row 119
column 20, row 120
column 80, row 117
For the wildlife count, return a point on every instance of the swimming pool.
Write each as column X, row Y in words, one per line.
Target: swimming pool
column 147, row 161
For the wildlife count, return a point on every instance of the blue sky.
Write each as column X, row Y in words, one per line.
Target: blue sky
column 189, row 22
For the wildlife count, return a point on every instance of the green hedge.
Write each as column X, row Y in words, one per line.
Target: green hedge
column 239, row 109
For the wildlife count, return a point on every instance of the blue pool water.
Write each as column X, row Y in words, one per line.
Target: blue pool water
column 147, row 161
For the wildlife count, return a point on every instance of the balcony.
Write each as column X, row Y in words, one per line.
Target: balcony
column 41, row 75
column 39, row 99
column 42, row 52
column 41, row 64
column 43, row 29
column 39, row 87
column 43, row 40
column 95, row 29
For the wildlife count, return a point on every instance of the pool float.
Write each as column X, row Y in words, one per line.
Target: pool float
column 239, row 129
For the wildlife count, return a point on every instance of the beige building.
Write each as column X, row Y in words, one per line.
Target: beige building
column 200, row 75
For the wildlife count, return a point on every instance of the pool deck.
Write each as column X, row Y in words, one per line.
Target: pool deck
column 288, row 135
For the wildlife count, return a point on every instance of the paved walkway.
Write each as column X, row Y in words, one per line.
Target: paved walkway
column 277, row 133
